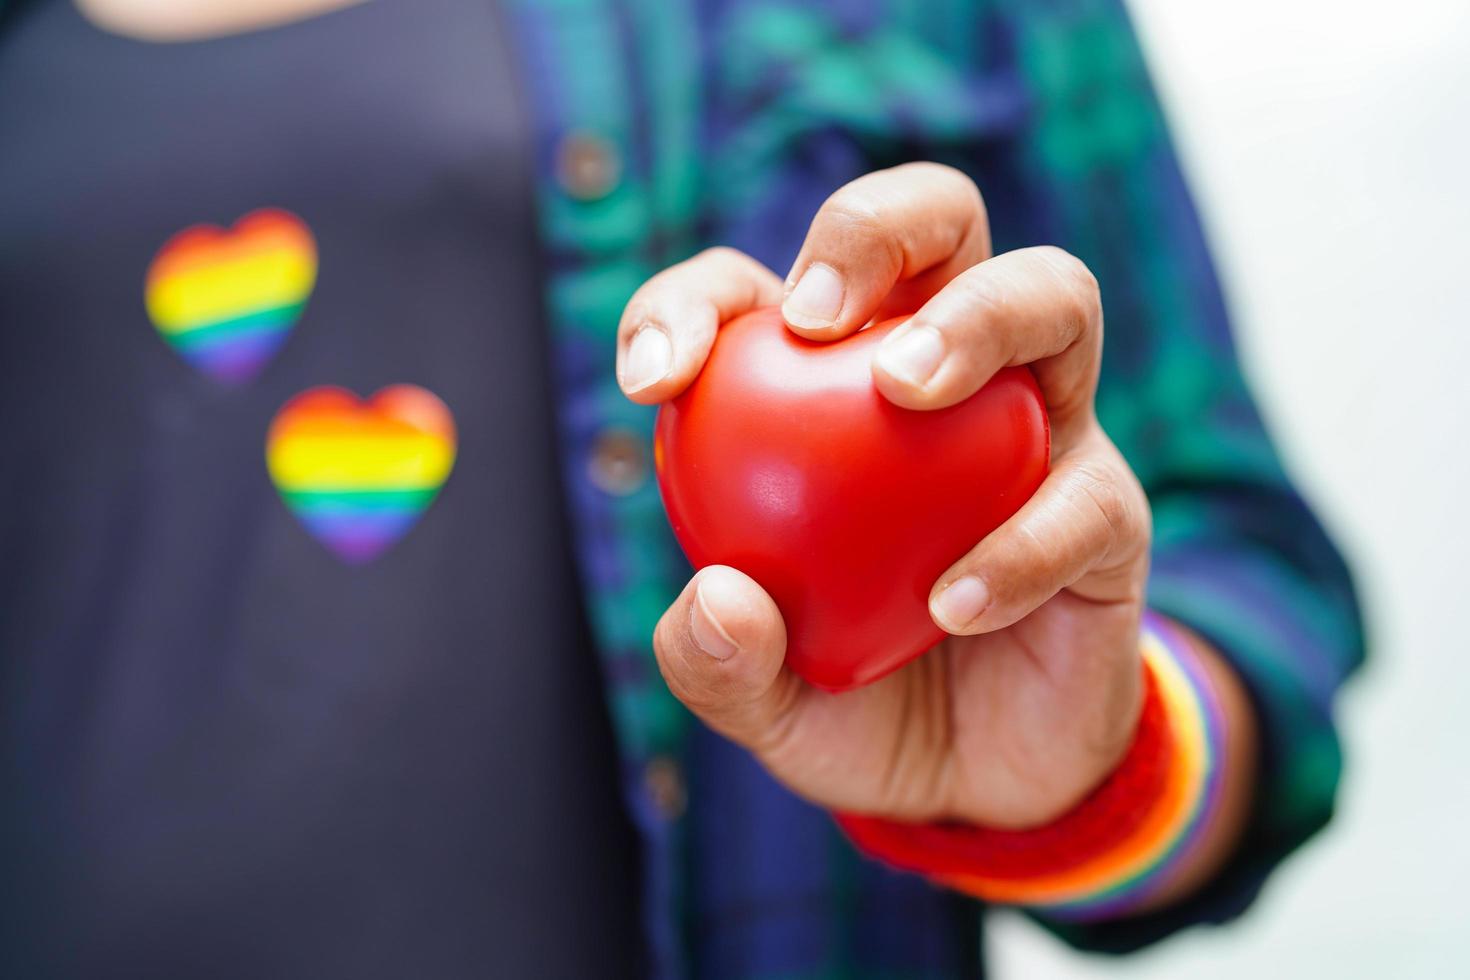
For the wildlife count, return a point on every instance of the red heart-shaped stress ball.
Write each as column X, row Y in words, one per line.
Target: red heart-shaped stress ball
column 784, row 461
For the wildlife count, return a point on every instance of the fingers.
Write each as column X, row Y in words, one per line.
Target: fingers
column 1086, row 529
column 721, row 648
column 1037, row 306
column 670, row 323
column 914, row 225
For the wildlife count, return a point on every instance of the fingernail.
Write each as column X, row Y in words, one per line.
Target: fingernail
column 708, row 634
column 649, row 358
column 961, row 603
column 816, row 300
column 913, row 356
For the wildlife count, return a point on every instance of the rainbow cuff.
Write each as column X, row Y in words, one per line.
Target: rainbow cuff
column 1116, row 849
column 1187, row 806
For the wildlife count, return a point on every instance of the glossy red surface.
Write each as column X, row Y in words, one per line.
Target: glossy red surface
column 784, row 461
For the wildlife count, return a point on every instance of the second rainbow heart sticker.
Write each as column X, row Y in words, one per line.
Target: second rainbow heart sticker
column 359, row 472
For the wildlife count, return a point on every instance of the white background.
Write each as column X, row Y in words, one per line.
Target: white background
column 1329, row 144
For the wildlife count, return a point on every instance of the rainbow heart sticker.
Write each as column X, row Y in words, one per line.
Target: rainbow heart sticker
column 359, row 473
column 226, row 300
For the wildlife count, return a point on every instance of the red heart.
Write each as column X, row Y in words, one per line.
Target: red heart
column 784, row 461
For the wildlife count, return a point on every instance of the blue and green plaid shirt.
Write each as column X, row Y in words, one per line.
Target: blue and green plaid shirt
column 667, row 125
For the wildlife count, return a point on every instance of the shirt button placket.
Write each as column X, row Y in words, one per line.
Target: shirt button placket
column 663, row 781
column 588, row 165
column 618, row 464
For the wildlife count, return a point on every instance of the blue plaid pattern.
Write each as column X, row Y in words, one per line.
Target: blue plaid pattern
column 731, row 120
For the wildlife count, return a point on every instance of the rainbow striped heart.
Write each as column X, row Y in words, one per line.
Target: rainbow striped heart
column 358, row 473
column 226, row 300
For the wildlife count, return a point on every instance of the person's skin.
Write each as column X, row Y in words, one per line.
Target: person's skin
column 1033, row 698
column 194, row 20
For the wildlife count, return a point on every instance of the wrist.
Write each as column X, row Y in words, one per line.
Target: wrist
column 1127, row 841
column 1054, row 747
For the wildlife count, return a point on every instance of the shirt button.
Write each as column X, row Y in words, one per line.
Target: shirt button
column 587, row 165
column 664, row 784
column 619, row 463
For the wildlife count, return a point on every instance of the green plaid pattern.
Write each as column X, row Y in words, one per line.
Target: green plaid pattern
column 731, row 121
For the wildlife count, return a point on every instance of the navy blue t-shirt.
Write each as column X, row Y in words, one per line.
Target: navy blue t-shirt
column 293, row 676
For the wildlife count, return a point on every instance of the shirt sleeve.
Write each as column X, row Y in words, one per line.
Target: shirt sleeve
column 1238, row 554
column 1049, row 107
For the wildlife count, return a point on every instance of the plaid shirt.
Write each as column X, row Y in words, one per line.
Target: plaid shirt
column 666, row 125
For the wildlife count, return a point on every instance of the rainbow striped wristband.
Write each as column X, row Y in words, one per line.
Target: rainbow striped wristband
column 1197, row 722
column 1121, row 845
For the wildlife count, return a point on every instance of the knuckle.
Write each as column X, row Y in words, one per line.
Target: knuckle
column 854, row 212
column 738, row 278
column 650, row 301
column 958, row 194
column 718, row 255
column 1031, row 558
column 978, row 320
column 1096, row 487
column 981, row 293
column 1022, row 572
column 859, row 216
column 1084, row 294
column 931, row 171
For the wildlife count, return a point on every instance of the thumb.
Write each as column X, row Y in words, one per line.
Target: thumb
column 721, row 648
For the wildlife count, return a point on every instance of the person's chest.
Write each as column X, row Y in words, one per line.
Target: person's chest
column 192, row 234
column 253, row 611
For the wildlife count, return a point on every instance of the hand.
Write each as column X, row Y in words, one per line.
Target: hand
column 1033, row 697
